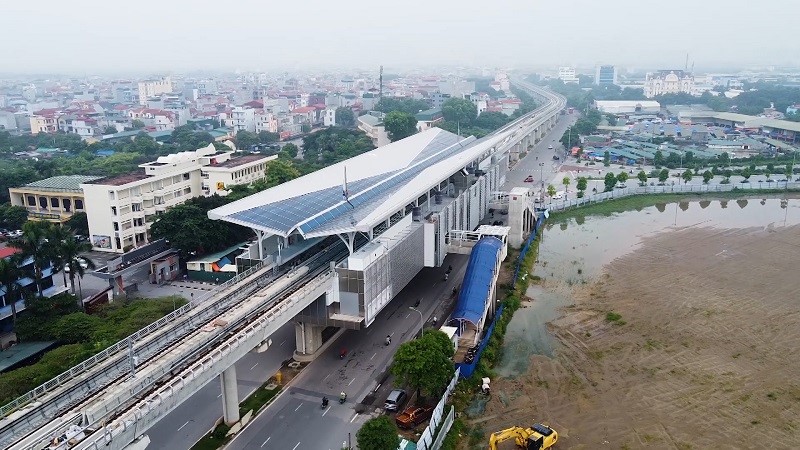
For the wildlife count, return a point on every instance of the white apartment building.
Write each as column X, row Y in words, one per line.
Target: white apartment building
column 242, row 119
column 82, row 126
column 153, row 88
column 567, row 75
column 220, row 176
column 120, row 209
column 329, row 117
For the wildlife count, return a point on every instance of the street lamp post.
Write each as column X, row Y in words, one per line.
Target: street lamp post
column 421, row 321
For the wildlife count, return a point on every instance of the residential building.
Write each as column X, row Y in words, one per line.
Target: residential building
column 83, row 126
column 8, row 120
column 605, row 75
column 567, row 75
column 265, row 121
column 623, row 107
column 329, row 117
column 668, row 82
column 437, row 98
column 428, row 119
column 44, row 121
column 371, row 123
column 305, row 115
column 220, row 176
column 28, row 285
column 123, row 207
column 242, row 119
column 154, row 119
column 53, row 199
column 153, row 88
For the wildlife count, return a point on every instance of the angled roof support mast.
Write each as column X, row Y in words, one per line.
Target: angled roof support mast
column 349, row 240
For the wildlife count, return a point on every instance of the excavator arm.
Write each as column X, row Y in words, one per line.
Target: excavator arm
column 518, row 433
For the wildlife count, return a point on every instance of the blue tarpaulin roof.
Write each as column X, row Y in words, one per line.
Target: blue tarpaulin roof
column 477, row 280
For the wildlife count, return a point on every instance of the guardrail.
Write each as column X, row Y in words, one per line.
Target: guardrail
column 116, row 348
column 676, row 189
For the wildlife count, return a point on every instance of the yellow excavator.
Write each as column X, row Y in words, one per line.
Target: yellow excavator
column 538, row 437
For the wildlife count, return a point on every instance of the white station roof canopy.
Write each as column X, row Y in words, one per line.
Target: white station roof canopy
column 378, row 183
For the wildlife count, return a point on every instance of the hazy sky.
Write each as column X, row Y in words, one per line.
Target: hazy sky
column 86, row 36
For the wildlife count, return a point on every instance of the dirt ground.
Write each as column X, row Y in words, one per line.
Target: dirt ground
column 705, row 353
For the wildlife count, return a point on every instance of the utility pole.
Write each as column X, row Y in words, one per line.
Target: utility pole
column 380, row 82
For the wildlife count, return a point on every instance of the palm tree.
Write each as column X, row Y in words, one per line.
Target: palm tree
column 56, row 235
column 70, row 250
column 9, row 274
column 34, row 244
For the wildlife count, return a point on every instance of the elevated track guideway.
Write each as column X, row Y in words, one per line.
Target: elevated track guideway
column 111, row 399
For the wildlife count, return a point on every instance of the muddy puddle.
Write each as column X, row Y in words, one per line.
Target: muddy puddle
column 574, row 252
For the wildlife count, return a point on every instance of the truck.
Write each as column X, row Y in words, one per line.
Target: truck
column 571, row 110
column 537, row 437
column 413, row 416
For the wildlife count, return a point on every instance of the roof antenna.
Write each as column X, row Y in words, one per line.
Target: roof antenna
column 345, row 193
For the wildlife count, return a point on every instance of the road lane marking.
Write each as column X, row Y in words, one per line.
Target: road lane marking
column 326, row 412
column 265, row 442
column 326, row 377
column 187, row 423
column 408, row 315
column 298, row 407
column 220, row 395
column 373, row 357
column 295, row 447
column 351, row 382
column 284, row 341
column 254, row 366
column 354, row 418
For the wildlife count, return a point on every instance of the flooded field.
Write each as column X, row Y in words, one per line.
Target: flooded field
column 676, row 326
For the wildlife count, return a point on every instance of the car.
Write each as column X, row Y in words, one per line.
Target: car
column 549, row 147
column 529, row 179
column 15, row 234
column 556, row 158
column 395, row 400
column 81, row 261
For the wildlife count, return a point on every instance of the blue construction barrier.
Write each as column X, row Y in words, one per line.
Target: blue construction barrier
column 468, row 369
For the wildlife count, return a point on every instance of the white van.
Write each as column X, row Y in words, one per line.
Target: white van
column 559, row 195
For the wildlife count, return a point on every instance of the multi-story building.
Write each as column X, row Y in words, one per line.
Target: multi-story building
column 605, row 75
column 329, row 117
column 83, row 126
column 44, row 121
column 668, row 82
column 122, row 208
column 28, row 286
column 567, row 75
column 53, row 199
column 437, row 98
column 242, row 119
column 153, row 88
column 220, row 176
column 156, row 119
column 372, row 124
column 266, row 121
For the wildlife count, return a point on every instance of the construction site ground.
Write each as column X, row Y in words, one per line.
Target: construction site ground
column 701, row 349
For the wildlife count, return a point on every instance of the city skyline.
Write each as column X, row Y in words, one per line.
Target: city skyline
column 59, row 38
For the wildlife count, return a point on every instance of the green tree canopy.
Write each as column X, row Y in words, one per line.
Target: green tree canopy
column 245, row 140
column 345, row 117
column 266, row 137
column 610, row 181
column 399, row 125
column 425, row 363
column 378, row 433
column 642, row 176
column 279, row 171
column 137, row 124
column 406, row 105
column 582, row 183
column 687, row 175
column 491, row 120
column 78, row 223
column 459, row 110
column 622, row 177
column 12, row 217
column 663, row 175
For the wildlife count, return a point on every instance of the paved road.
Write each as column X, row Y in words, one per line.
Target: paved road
column 193, row 418
column 296, row 421
column 541, row 154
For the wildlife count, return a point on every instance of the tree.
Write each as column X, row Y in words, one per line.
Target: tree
column 622, row 177
column 788, row 172
column 407, row 105
column 345, row 117
column 642, row 176
column 78, row 223
column 663, row 175
column 707, row 176
column 378, row 433
column 265, row 137
column 70, row 250
column 606, row 158
column 32, row 244
column 687, row 176
column 746, row 173
column 551, row 190
column 280, row 171
column 76, row 328
column 491, row 120
column 55, row 234
column 13, row 216
column 9, row 274
column 137, row 124
column 425, row 363
column 399, row 125
column 658, row 159
column 583, row 183
column 565, row 182
column 289, row 151
column 724, row 159
column 459, row 110
column 610, row 181
column 245, row 140
column 110, row 130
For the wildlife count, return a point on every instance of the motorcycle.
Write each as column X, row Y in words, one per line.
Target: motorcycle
column 342, row 398
column 446, row 276
column 388, row 340
column 342, row 354
column 324, row 402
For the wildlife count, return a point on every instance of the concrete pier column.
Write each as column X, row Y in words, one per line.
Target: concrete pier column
column 230, row 395
column 308, row 338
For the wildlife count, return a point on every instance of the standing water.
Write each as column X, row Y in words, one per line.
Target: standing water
column 575, row 250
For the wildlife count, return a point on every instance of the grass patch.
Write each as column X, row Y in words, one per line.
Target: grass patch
column 640, row 201
column 614, row 318
column 259, row 398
